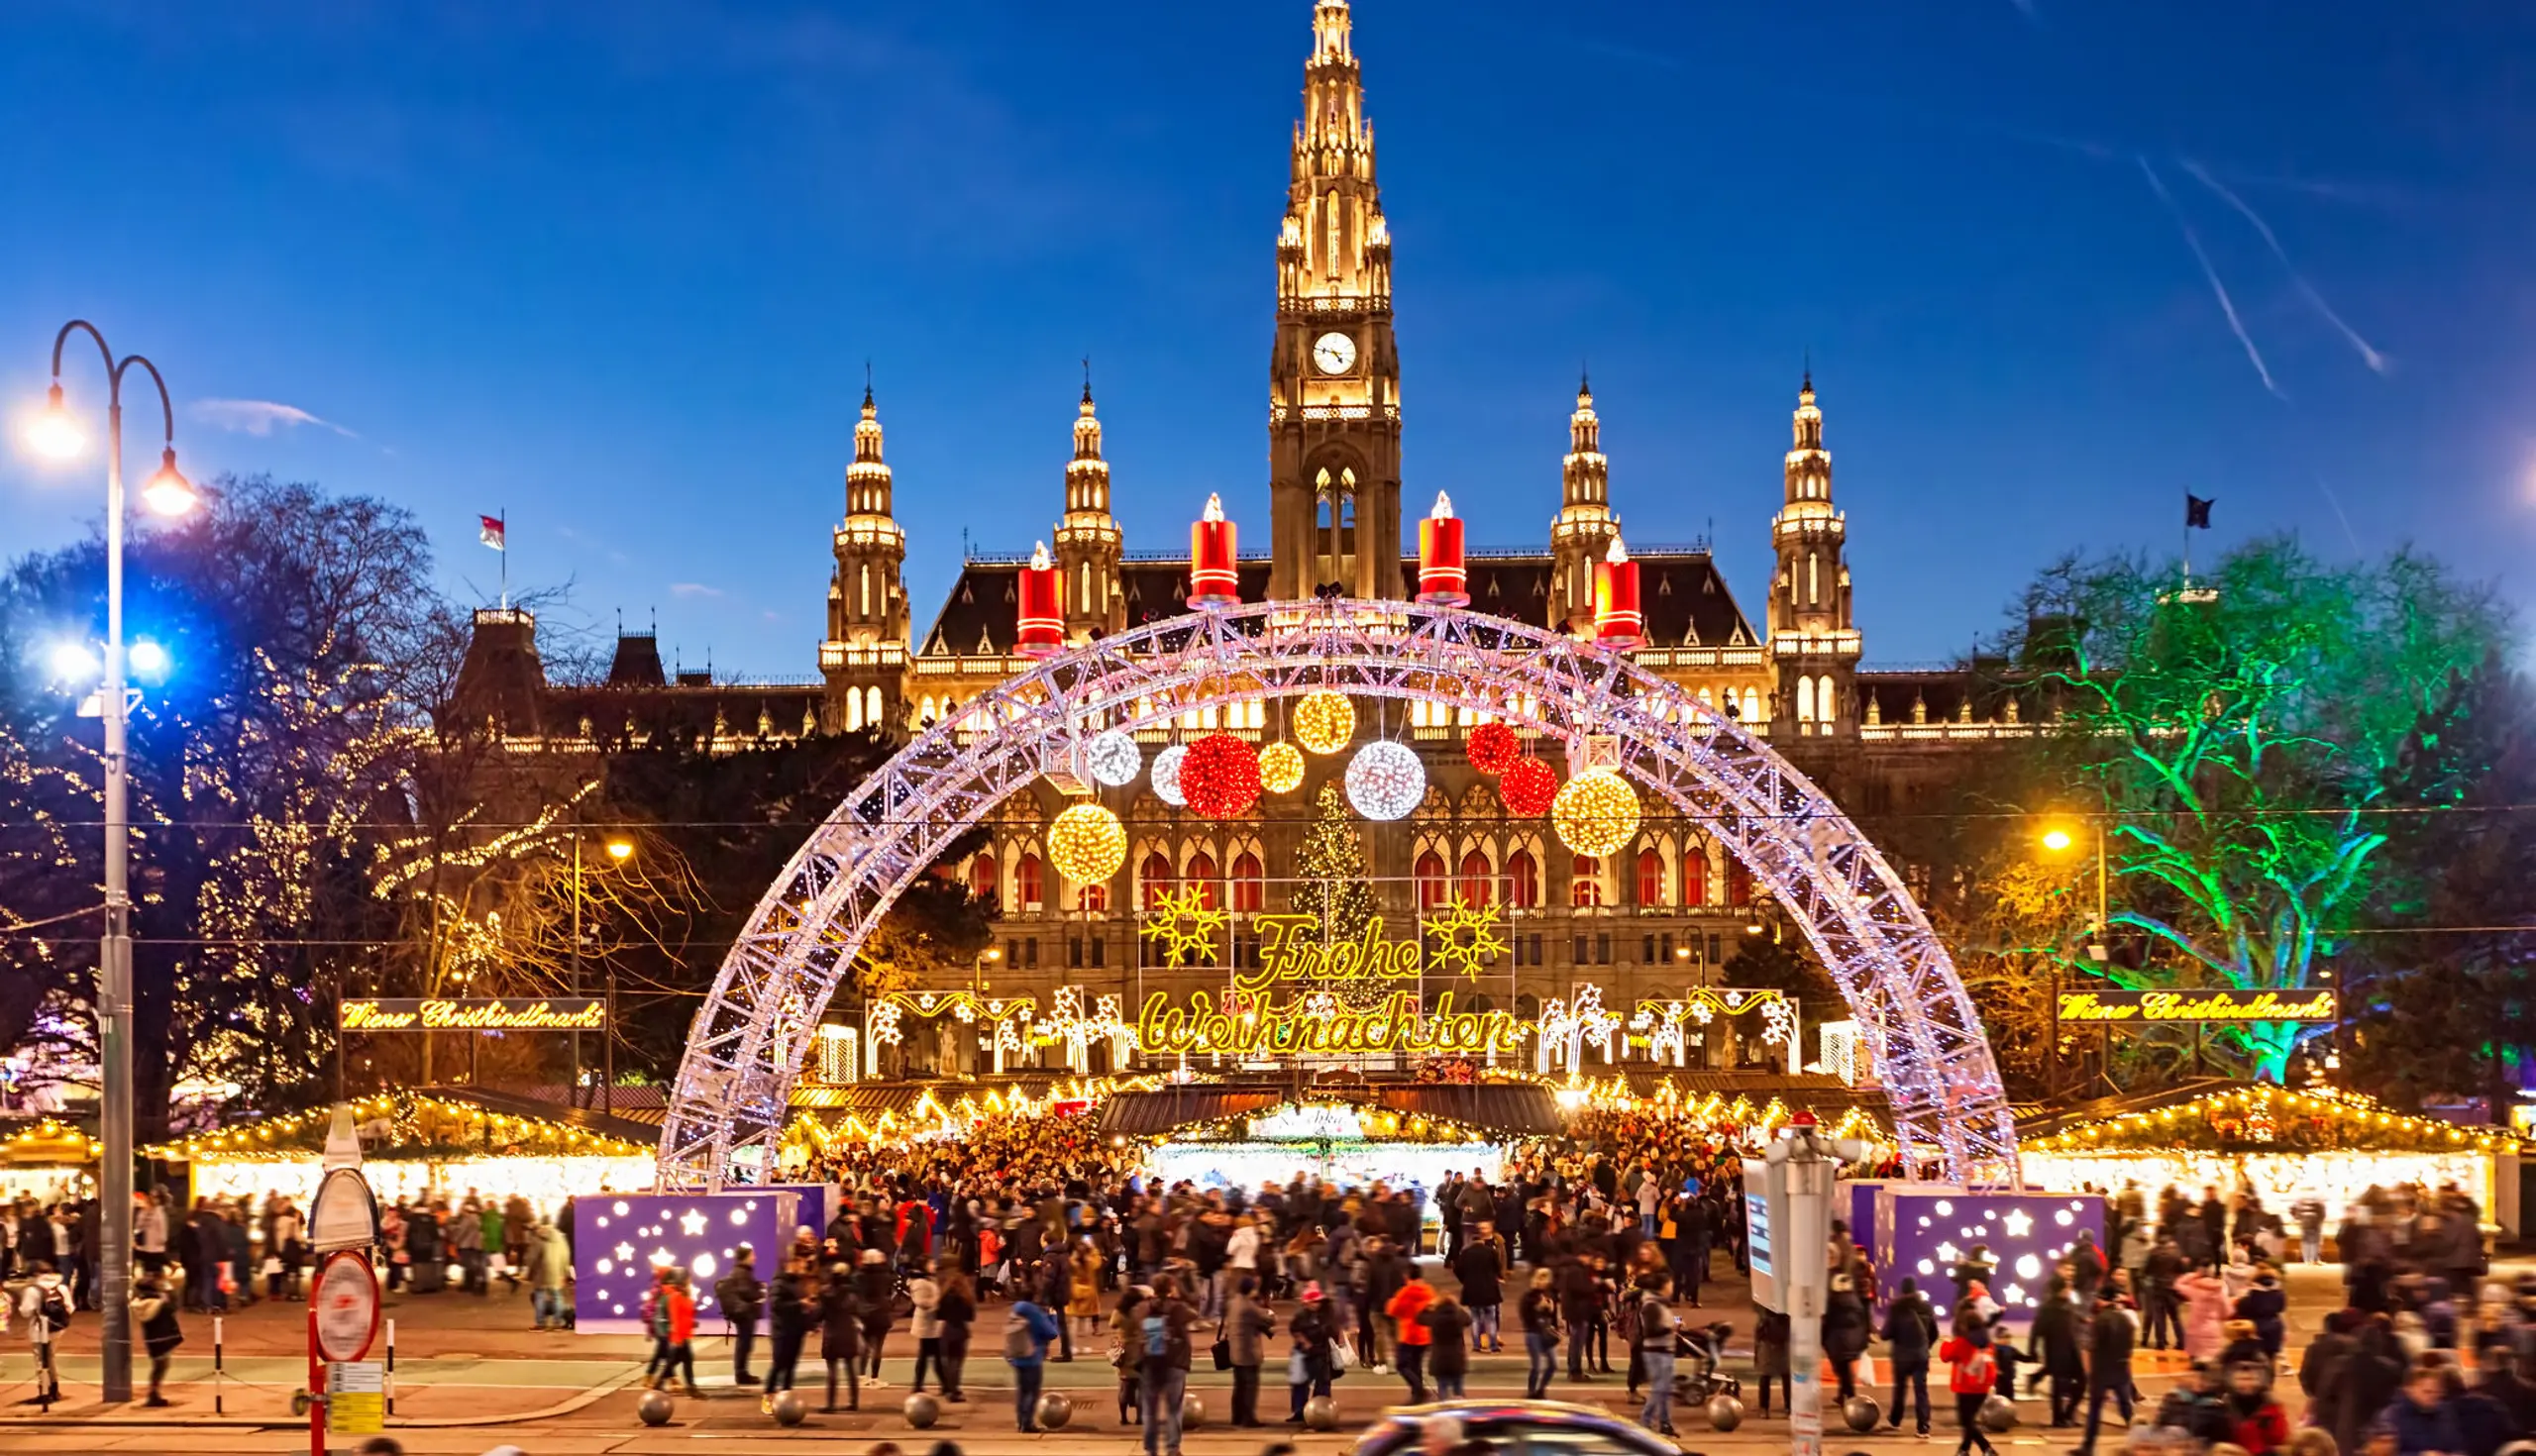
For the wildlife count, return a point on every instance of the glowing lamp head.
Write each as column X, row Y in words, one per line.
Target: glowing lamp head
column 620, row 850
column 149, row 659
column 168, row 492
column 54, row 433
column 2057, row 839
column 72, row 662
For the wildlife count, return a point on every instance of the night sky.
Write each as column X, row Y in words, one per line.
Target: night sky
column 617, row 270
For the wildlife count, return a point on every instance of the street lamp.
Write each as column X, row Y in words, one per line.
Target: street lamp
column 166, row 492
column 619, row 850
column 2058, row 839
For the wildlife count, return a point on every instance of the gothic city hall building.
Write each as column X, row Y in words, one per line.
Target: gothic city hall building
column 1663, row 916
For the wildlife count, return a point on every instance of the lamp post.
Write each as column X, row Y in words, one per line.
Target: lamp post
column 2057, row 839
column 618, row 849
column 166, row 494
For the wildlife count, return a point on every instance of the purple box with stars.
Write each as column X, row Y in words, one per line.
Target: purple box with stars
column 1922, row 1230
column 618, row 1240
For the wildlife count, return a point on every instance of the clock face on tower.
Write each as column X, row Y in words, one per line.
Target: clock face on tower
column 1333, row 353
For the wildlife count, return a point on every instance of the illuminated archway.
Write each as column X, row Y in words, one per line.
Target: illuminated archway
column 748, row 1041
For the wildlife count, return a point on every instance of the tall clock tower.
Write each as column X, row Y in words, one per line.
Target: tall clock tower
column 1333, row 380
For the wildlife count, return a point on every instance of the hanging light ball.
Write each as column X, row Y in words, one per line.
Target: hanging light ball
column 1220, row 777
column 1087, row 843
column 1527, row 787
column 1596, row 813
column 1384, row 780
column 1325, row 721
column 1494, row 748
column 1166, row 774
column 1111, row 758
column 1281, row 768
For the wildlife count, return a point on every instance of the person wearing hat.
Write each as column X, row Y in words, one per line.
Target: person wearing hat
column 741, row 1295
column 1309, row 1370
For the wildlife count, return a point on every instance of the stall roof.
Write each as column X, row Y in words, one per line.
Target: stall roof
column 1522, row 1108
column 1154, row 1113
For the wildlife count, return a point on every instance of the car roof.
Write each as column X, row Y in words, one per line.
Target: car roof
column 1398, row 1428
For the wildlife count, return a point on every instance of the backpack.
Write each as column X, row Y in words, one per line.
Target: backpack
column 658, row 1316
column 1157, row 1336
column 1020, row 1342
column 54, row 1310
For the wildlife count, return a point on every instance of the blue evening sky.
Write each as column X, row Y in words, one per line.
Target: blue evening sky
column 616, row 268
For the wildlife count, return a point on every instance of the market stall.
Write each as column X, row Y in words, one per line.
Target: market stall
column 2281, row 1144
column 46, row 1159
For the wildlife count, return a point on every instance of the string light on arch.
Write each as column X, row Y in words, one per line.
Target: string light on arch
column 1325, row 721
column 1219, row 777
column 1111, row 758
column 1087, row 843
column 1166, row 776
column 1384, row 780
column 1528, row 788
column 1494, row 748
column 1281, row 768
column 1596, row 814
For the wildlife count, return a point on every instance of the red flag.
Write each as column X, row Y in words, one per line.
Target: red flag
column 490, row 530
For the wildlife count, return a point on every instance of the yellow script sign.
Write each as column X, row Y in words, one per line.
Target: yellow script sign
column 2198, row 1005
column 488, row 1013
column 1300, row 1028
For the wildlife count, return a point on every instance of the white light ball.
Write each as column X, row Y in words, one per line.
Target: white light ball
column 1166, row 776
column 1111, row 758
column 1384, row 780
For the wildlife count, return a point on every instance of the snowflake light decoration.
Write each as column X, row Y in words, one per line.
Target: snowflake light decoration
column 1384, row 780
column 1111, row 758
column 1465, row 937
column 1325, row 721
column 1184, row 925
column 1166, row 776
column 1281, row 768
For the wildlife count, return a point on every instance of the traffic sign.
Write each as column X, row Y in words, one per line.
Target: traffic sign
column 343, row 1307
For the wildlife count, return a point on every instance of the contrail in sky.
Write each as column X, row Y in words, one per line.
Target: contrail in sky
column 2369, row 356
column 2226, row 305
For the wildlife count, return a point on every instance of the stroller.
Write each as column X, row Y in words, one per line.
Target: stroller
column 1699, row 1354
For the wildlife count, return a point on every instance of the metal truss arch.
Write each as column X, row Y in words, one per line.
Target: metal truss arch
column 748, row 1041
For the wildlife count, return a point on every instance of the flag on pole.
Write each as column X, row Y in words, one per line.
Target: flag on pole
column 2196, row 512
column 489, row 529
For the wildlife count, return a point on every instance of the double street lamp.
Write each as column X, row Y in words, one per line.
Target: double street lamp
column 168, row 493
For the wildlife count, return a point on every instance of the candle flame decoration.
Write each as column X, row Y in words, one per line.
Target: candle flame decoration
column 1215, row 509
column 1443, row 510
column 1618, row 554
column 1039, row 556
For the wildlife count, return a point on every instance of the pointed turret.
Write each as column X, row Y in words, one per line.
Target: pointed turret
column 865, row 652
column 1583, row 531
column 1089, row 542
column 1814, row 640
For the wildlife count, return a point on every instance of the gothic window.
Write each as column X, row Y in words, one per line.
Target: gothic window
column 1201, row 873
column 1432, row 889
column 1093, row 898
column 1650, row 877
column 871, row 707
column 1585, row 882
column 853, row 710
column 982, row 878
column 1083, row 581
column 1476, row 882
column 1026, row 882
column 1695, row 875
column 1250, row 884
column 1805, row 699
column 1738, row 884
column 1522, row 879
column 866, row 588
column 1813, row 578
column 1157, row 878
column 1751, row 704
column 1822, row 702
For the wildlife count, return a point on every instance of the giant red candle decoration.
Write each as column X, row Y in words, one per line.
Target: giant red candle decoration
column 1617, row 622
column 1212, row 579
column 1443, row 580
column 1042, row 631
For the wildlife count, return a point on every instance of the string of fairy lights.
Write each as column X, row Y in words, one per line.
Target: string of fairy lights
column 2275, row 1118
column 413, row 1120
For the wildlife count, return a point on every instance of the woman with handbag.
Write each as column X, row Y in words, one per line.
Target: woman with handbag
column 1538, row 1312
column 1313, row 1365
column 1127, row 1334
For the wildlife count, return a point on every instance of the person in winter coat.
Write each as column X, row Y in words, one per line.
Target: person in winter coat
column 1028, row 1330
column 1126, row 1325
column 2257, row 1421
column 2112, row 1334
column 2264, row 1305
column 1910, row 1330
column 787, row 1326
column 44, row 1305
column 742, row 1295
column 1537, row 1314
column 2421, row 1418
column 924, row 1296
column 1403, row 1309
column 841, row 1333
column 1308, row 1371
column 1770, row 1339
column 1481, row 1268
column 1247, row 1326
column 953, row 1315
column 2054, row 1347
column 549, row 1265
column 2205, row 1315
column 1845, row 1332
column 1448, row 1323
column 874, row 1276
column 1972, row 1370
column 1083, row 1298
column 2196, row 1406
column 154, row 1315
column 675, row 1325
column 1656, row 1330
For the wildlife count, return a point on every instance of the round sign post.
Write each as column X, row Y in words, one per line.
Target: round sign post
column 343, row 1324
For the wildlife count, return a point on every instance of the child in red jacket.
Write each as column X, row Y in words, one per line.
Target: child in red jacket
column 2262, row 1426
column 1973, row 1372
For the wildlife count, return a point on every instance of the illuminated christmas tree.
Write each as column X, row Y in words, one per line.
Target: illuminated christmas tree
column 1329, row 871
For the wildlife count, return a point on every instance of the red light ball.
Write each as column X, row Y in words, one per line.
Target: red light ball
column 1220, row 777
column 1528, row 788
column 1494, row 748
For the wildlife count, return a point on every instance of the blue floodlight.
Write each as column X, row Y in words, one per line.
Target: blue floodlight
column 73, row 663
column 150, row 659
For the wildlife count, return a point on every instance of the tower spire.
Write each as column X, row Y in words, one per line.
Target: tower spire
column 1813, row 639
column 1585, row 528
column 1090, row 545
column 867, row 600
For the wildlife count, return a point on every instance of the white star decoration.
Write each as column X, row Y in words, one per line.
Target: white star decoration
column 691, row 1223
column 2018, row 1222
column 1948, row 1252
column 624, row 1252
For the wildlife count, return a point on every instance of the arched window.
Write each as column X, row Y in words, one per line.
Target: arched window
column 853, row 710
column 1476, row 883
column 1026, row 882
column 1695, row 876
column 1523, row 881
column 1157, row 876
column 866, row 588
column 981, row 882
column 1083, row 581
column 1738, row 884
column 1250, row 884
column 1201, row 873
column 1431, row 891
column 1650, row 877
column 1823, row 709
column 1813, row 578
column 1805, row 699
column 871, row 707
column 1751, row 704
column 1092, row 897
column 1585, row 882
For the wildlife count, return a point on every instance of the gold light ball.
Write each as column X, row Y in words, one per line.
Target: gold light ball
column 1325, row 721
column 1281, row 768
column 1086, row 844
column 1596, row 813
